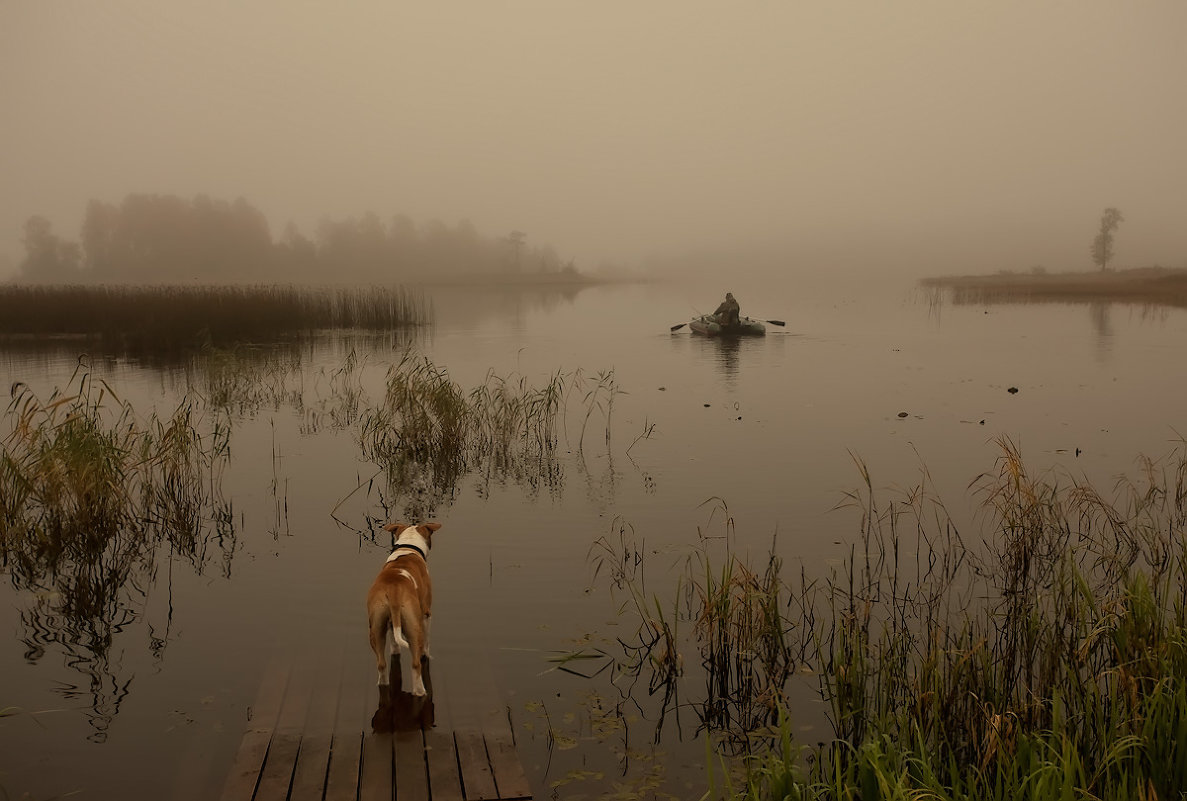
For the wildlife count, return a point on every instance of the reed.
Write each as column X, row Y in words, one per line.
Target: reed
column 428, row 432
column 89, row 493
column 1046, row 656
column 147, row 319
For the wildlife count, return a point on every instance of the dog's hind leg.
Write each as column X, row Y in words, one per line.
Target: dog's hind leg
column 416, row 645
column 428, row 620
column 379, row 627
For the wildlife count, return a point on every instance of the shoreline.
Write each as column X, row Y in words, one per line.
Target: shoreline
column 1147, row 285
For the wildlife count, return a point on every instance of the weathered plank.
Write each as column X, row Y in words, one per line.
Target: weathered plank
column 309, row 777
column 377, row 768
column 412, row 776
column 478, row 783
column 444, row 778
column 510, row 779
column 376, row 777
column 253, row 748
column 277, row 774
column 342, row 779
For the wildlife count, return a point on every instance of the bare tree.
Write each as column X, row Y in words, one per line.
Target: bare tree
column 1102, row 246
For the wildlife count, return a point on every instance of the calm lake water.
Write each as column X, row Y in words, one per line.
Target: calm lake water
column 769, row 428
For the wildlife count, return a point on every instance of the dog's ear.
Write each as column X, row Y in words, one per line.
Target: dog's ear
column 396, row 528
column 427, row 530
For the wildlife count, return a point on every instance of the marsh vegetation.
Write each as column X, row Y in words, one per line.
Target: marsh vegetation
column 155, row 319
column 1044, row 655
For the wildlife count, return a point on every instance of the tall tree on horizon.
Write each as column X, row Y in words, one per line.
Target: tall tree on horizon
column 1102, row 245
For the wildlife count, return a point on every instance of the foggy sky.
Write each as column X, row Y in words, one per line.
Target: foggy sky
column 920, row 136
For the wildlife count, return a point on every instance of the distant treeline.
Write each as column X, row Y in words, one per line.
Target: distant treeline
column 1155, row 285
column 167, row 239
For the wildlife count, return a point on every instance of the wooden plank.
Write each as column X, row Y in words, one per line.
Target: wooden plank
column 376, row 776
column 342, row 779
column 412, row 776
column 478, row 783
column 506, row 767
column 277, row 774
column 489, row 712
column 377, row 769
column 444, row 778
column 309, row 777
column 253, row 748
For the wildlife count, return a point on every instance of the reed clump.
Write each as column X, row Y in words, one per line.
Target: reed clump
column 1045, row 656
column 428, row 432
column 151, row 319
column 89, row 493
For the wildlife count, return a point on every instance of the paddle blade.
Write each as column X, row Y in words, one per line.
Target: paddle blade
column 678, row 327
column 776, row 322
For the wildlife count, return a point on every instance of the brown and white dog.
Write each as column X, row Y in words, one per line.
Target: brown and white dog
column 400, row 600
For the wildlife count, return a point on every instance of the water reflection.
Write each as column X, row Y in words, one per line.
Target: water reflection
column 467, row 307
column 400, row 710
column 1102, row 327
column 91, row 496
column 727, row 355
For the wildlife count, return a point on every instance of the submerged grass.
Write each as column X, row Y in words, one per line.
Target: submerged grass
column 160, row 318
column 1046, row 659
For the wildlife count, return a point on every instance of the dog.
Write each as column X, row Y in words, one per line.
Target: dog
column 400, row 600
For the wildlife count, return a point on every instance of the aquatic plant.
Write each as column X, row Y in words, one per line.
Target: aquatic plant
column 153, row 319
column 428, row 432
column 1046, row 656
column 89, row 492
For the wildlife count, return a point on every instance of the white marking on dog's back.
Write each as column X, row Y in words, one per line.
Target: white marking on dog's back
column 410, row 577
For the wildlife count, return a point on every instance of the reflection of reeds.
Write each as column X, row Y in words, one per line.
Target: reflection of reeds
column 1050, row 655
column 158, row 318
column 88, row 492
column 429, row 432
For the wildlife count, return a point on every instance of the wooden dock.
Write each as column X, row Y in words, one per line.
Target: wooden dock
column 324, row 733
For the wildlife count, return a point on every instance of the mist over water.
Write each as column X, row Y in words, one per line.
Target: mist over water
column 812, row 160
column 920, row 140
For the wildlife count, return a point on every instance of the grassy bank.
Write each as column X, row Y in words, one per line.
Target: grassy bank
column 1153, row 285
column 152, row 318
column 1044, row 657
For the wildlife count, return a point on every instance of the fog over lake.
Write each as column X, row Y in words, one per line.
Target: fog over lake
column 544, row 196
column 926, row 137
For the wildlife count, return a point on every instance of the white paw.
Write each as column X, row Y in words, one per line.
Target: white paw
column 418, row 688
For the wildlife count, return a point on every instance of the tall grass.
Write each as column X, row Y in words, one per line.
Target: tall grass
column 1044, row 658
column 89, row 492
column 157, row 318
column 429, row 432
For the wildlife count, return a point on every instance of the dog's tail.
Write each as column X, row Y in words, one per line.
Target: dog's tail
column 397, row 628
column 408, row 630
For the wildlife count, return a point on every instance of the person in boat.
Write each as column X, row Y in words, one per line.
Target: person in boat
column 729, row 312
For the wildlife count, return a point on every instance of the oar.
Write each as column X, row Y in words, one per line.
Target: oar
column 775, row 322
column 678, row 327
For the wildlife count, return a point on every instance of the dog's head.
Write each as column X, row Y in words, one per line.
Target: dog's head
column 423, row 529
